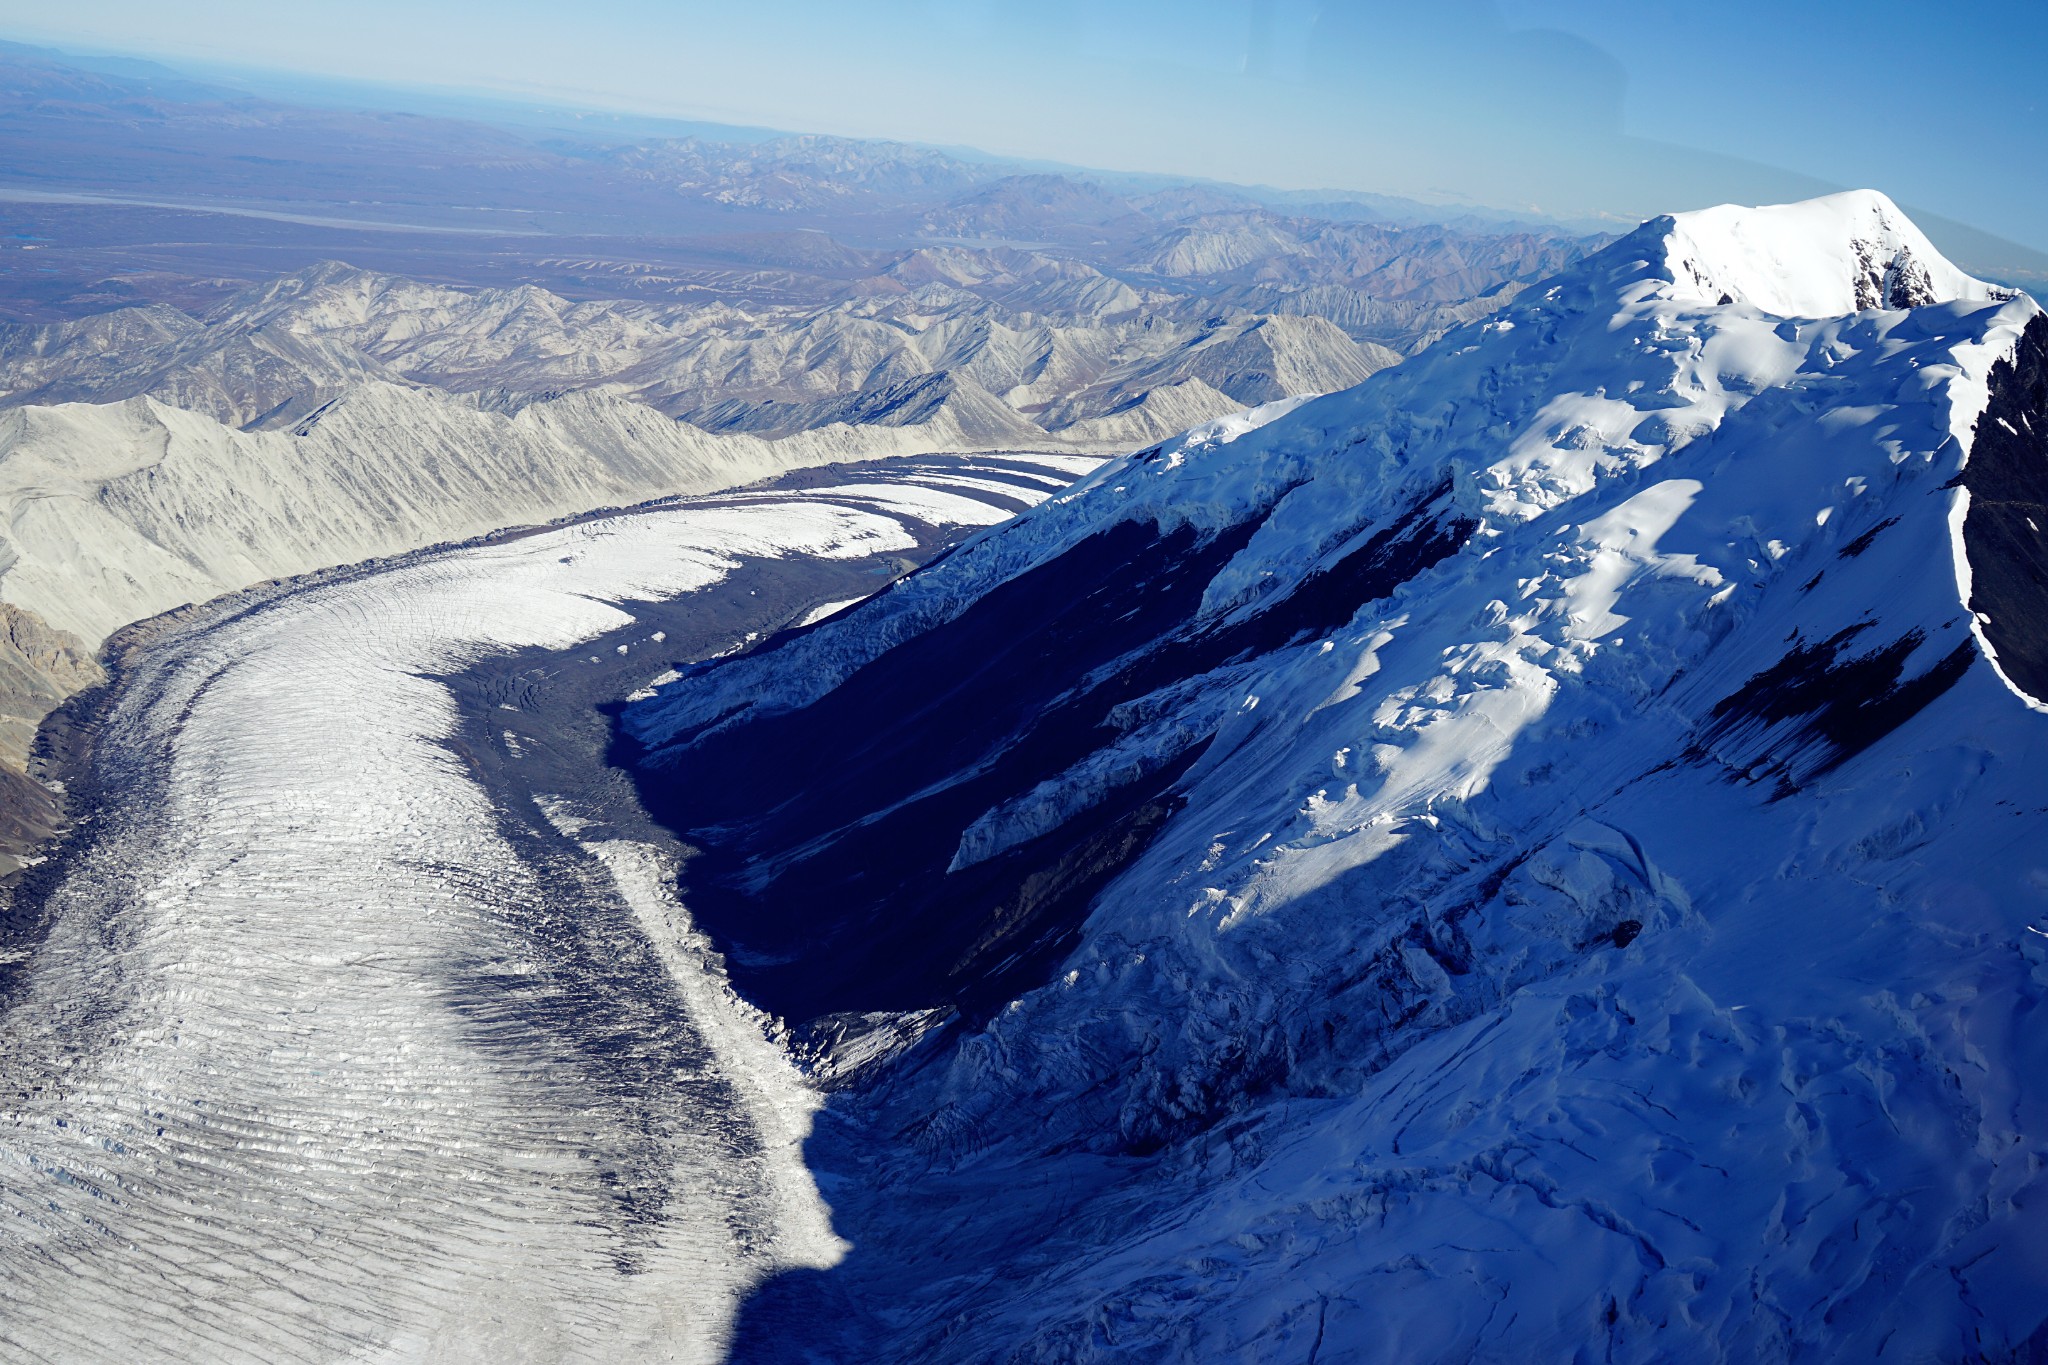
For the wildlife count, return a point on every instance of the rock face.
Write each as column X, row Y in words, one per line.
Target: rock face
column 1527, row 856
column 39, row 667
column 2005, row 526
column 37, row 662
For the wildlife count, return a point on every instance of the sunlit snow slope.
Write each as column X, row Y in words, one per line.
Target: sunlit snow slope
column 1527, row 858
column 112, row 513
column 316, row 1063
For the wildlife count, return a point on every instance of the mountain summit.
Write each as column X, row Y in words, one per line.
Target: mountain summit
column 1818, row 259
column 1535, row 852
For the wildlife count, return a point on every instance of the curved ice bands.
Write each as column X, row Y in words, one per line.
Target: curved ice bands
column 314, row 1063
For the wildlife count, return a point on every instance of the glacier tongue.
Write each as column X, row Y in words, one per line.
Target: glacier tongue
column 321, row 1058
column 1589, row 897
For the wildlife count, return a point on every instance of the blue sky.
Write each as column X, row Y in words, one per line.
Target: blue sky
column 1615, row 108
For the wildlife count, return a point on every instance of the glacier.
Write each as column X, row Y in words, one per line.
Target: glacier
column 321, row 1057
column 1530, row 857
column 114, row 513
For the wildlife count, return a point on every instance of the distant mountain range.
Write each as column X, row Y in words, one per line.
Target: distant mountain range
column 1010, row 347
column 227, row 188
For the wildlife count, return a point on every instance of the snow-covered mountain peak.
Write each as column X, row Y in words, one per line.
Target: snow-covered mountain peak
column 1819, row 258
column 1495, row 815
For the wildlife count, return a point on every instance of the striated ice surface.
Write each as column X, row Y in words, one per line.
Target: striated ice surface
column 316, row 1063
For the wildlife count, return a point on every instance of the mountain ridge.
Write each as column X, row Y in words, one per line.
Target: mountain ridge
column 1303, row 846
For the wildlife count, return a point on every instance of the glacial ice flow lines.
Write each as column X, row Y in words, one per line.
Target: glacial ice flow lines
column 314, row 1062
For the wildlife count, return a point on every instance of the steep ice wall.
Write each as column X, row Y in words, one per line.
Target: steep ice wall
column 1525, row 857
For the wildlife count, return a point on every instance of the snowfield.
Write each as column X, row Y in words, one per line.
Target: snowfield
column 317, row 1062
column 1543, row 870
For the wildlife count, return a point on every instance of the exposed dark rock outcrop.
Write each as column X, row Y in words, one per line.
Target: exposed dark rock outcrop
column 1822, row 704
column 39, row 667
column 2006, row 532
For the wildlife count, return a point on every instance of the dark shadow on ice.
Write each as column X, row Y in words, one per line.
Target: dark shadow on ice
column 844, row 863
column 845, row 869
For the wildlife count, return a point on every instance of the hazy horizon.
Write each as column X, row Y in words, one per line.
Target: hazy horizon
column 1609, row 111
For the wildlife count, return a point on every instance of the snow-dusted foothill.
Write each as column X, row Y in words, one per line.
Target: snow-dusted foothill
column 1527, row 858
column 116, row 512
